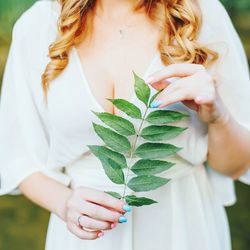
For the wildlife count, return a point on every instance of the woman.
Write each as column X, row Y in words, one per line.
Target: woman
column 46, row 124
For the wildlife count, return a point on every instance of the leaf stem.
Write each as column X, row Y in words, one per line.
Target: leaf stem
column 132, row 151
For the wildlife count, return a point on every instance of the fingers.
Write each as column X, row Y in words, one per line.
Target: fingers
column 175, row 70
column 182, row 94
column 89, row 223
column 92, row 224
column 89, row 211
column 175, row 92
column 105, row 200
column 100, row 213
column 204, row 99
column 176, row 96
column 197, row 88
column 83, row 234
column 161, row 84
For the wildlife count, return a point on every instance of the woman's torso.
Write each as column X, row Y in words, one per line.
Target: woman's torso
column 115, row 46
column 68, row 116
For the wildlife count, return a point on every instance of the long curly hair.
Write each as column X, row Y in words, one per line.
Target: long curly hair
column 179, row 22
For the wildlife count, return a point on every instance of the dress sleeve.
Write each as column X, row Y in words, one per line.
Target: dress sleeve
column 24, row 138
column 232, row 76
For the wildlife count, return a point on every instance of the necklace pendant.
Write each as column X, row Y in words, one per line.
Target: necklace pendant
column 121, row 32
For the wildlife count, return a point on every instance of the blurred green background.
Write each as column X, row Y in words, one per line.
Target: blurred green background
column 23, row 225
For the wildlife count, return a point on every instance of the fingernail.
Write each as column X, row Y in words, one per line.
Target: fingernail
column 155, row 104
column 122, row 219
column 127, row 208
column 113, row 225
column 100, row 234
column 149, row 80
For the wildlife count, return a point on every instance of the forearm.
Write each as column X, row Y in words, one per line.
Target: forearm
column 228, row 147
column 46, row 192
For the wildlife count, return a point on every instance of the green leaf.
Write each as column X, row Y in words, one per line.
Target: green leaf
column 155, row 150
column 127, row 107
column 112, row 170
column 113, row 140
column 160, row 117
column 159, row 133
column 132, row 200
column 121, row 125
column 142, row 90
column 150, row 167
column 102, row 151
column 145, row 183
column 154, row 96
column 114, row 194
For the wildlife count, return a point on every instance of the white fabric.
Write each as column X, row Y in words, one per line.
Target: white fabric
column 232, row 74
column 33, row 137
column 88, row 170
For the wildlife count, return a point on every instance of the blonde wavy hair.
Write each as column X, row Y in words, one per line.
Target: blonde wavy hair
column 179, row 20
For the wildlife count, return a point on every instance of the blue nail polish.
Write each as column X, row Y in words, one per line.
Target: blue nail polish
column 127, row 208
column 155, row 104
column 122, row 219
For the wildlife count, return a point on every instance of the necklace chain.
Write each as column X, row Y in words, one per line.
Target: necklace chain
column 122, row 29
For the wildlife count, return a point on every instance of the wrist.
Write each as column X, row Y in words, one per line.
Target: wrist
column 222, row 120
column 61, row 203
column 222, row 115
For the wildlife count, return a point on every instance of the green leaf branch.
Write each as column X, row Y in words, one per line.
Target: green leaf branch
column 118, row 152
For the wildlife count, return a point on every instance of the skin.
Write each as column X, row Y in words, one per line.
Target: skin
column 100, row 211
column 228, row 153
column 228, row 141
column 114, row 57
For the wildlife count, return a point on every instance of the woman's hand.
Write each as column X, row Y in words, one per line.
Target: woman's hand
column 89, row 212
column 195, row 88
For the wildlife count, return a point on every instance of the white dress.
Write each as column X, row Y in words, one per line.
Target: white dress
column 34, row 138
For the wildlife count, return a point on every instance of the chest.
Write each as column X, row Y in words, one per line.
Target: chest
column 70, row 117
column 108, row 57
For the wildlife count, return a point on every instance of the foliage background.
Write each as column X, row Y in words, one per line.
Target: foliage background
column 23, row 225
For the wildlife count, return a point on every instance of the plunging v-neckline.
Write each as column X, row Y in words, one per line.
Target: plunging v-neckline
column 88, row 88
